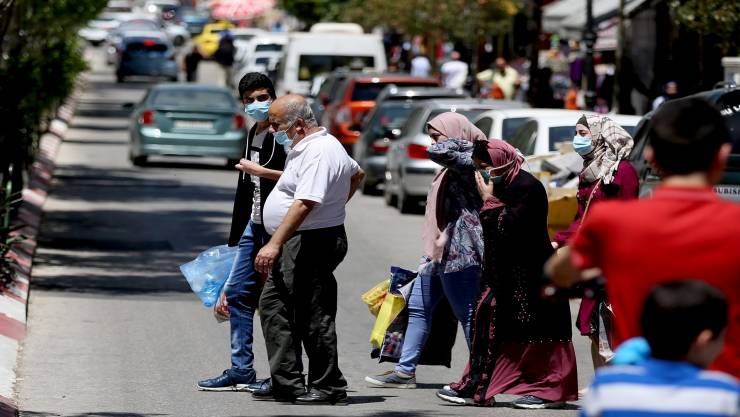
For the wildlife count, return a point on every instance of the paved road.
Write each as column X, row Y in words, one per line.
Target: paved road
column 114, row 329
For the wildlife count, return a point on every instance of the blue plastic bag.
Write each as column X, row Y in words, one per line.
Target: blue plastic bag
column 208, row 273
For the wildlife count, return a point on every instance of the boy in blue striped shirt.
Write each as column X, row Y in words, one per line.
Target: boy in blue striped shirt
column 684, row 322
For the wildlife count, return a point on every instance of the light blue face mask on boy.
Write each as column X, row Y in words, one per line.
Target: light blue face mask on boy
column 583, row 144
column 258, row 110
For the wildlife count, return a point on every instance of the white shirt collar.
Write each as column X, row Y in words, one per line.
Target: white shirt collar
column 304, row 142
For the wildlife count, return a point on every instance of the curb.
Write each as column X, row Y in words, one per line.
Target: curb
column 14, row 300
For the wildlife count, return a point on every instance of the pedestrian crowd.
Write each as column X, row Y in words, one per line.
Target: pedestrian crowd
column 659, row 277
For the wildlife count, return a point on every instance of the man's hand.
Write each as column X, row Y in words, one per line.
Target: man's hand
column 249, row 167
column 266, row 258
column 485, row 190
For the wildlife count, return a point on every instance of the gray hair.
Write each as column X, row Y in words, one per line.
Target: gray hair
column 301, row 109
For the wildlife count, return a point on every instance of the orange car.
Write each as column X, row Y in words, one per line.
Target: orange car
column 355, row 98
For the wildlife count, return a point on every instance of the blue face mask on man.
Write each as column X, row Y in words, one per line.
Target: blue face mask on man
column 583, row 145
column 282, row 138
column 258, row 110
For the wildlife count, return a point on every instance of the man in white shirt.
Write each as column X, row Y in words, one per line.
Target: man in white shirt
column 454, row 72
column 305, row 215
column 420, row 66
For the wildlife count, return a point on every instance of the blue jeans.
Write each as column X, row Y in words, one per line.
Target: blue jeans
column 243, row 293
column 461, row 288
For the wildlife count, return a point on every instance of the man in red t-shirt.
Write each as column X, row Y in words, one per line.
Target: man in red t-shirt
column 683, row 231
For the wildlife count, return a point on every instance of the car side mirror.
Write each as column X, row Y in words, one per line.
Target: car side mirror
column 128, row 106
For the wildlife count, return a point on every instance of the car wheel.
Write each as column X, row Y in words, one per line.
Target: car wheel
column 370, row 188
column 388, row 196
column 174, row 79
column 179, row 40
column 139, row 161
column 404, row 202
column 119, row 77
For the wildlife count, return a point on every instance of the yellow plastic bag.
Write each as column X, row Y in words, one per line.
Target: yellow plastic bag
column 389, row 310
column 374, row 296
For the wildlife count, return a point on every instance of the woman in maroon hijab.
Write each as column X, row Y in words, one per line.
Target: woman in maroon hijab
column 521, row 342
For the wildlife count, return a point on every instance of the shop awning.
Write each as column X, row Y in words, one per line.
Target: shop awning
column 239, row 9
column 567, row 18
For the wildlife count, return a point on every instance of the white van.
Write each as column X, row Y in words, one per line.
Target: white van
column 310, row 54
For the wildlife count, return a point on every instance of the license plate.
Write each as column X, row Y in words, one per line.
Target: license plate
column 193, row 124
column 729, row 192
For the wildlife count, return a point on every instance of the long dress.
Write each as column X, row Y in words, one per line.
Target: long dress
column 521, row 342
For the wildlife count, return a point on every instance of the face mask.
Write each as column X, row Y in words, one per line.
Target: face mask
column 582, row 145
column 258, row 110
column 282, row 138
column 485, row 174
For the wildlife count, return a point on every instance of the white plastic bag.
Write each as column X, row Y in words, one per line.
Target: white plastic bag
column 208, row 273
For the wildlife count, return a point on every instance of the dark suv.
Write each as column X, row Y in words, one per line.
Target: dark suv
column 728, row 101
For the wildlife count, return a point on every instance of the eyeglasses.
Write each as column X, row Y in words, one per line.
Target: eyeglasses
column 260, row 98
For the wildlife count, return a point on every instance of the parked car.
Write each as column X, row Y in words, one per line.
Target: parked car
column 192, row 19
column 187, row 120
column 146, row 54
column 356, row 96
column 727, row 98
column 409, row 171
column 545, row 128
column 260, row 54
column 97, row 30
column 384, row 125
column 242, row 38
column 207, row 41
column 318, row 52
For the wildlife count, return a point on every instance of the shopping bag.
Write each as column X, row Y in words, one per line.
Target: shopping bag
column 399, row 288
column 374, row 296
column 208, row 273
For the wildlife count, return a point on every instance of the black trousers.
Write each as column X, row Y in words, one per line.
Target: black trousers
column 298, row 306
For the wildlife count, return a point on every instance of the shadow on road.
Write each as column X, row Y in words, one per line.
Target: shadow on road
column 88, row 414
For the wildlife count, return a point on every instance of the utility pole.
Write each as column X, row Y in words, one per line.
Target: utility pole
column 589, row 37
column 619, row 77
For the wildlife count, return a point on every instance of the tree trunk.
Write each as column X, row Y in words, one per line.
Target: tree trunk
column 534, row 53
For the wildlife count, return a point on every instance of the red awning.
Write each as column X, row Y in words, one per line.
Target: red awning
column 240, row 9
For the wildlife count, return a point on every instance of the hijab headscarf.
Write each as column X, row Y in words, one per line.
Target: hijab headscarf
column 455, row 126
column 505, row 156
column 611, row 145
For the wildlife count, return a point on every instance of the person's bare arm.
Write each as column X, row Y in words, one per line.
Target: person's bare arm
column 297, row 213
column 355, row 183
column 252, row 168
column 563, row 273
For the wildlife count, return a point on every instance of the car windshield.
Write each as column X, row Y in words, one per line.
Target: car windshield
column 560, row 134
column 469, row 113
column 193, row 98
column 510, row 126
column 386, row 118
column 240, row 36
column 313, row 65
column 370, row 91
column 262, row 61
column 140, row 24
column 269, row 47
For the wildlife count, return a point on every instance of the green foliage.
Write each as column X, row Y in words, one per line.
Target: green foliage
column 7, row 265
column 720, row 18
column 312, row 11
column 40, row 58
column 463, row 19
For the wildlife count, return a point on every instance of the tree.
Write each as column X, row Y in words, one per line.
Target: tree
column 40, row 57
column 313, row 11
column 461, row 19
column 719, row 18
